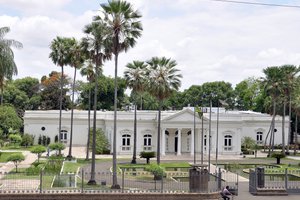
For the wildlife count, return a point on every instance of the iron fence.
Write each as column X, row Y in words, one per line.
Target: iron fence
column 129, row 181
column 274, row 179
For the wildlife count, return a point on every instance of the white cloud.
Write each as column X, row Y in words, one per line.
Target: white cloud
column 210, row 41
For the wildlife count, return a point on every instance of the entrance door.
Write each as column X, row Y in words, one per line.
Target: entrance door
column 176, row 142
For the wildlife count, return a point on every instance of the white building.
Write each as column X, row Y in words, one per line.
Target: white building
column 178, row 130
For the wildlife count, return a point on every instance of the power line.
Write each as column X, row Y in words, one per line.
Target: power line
column 259, row 4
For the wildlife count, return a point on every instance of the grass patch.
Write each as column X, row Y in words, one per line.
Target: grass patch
column 72, row 167
column 5, row 155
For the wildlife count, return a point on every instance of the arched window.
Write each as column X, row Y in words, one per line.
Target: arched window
column 227, row 143
column 147, row 142
column 167, row 140
column 259, row 137
column 64, row 136
column 126, row 142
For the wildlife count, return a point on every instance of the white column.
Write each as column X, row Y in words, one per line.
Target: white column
column 179, row 142
column 163, row 142
column 192, row 145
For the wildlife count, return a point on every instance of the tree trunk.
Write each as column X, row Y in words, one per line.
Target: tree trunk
column 289, row 130
column 60, row 101
column 115, row 180
column 72, row 116
column 283, row 127
column 158, row 133
column 92, row 180
column 296, row 135
column 271, row 144
column 134, row 136
column 89, row 126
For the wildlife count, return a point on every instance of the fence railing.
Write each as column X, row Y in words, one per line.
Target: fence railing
column 129, row 181
column 272, row 179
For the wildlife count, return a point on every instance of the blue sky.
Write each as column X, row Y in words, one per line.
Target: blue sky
column 211, row 41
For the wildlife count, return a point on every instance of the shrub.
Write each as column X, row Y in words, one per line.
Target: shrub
column 278, row 156
column 38, row 150
column 147, row 155
column 15, row 138
column 57, row 147
column 27, row 140
column 156, row 170
column 102, row 144
column 16, row 159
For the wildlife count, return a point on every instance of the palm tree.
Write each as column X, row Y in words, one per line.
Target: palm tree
column 125, row 29
column 8, row 67
column 271, row 84
column 163, row 79
column 289, row 75
column 60, row 56
column 135, row 78
column 76, row 61
column 89, row 72
column 96, row 44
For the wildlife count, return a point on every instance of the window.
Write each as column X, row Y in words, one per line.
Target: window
column 64, row 136
column 126, row 142
column 259, row 137
column 205, row 142
column 188, row 141
column 227, row 143
column 167, row 140
column 147, row 142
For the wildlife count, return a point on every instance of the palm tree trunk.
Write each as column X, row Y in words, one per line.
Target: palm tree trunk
column 296, row 135
column 271, row 144
column 283, row 127
column 92, row 180
column 115, row 180
column 89, row 126
column 72, row 116
column 134, row 136
column 289, row 130
column 60, row 105
column 158, row 133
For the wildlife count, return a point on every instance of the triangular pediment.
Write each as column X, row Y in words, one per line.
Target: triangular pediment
column 185, row 115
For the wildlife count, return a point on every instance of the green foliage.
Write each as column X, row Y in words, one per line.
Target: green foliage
column 9, row 119
column 105, row 94
column 50, row 94
column 247, row 94
column 102, row 144
column 57, row 146
column 27, row 140
column 147, row 155
column 157, row 170
column 54, row 164
column 16, row 159
column 44, row 140
column 15, row 138
column 248, row 142
column 38, row 150
column 278, row 156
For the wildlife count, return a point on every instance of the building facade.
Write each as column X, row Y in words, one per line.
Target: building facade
column 182, row 132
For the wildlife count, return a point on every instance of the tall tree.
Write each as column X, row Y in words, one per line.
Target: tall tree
column 61, row 57
column 89, row 72
column 97, row 46
column 135, row 78
column 125, row 28
column 271, row 84
column 76, row 55
column 8, row 67
column 289, row 75
column 163, row 79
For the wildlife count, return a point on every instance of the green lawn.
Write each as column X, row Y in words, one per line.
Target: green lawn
column 5, row 155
